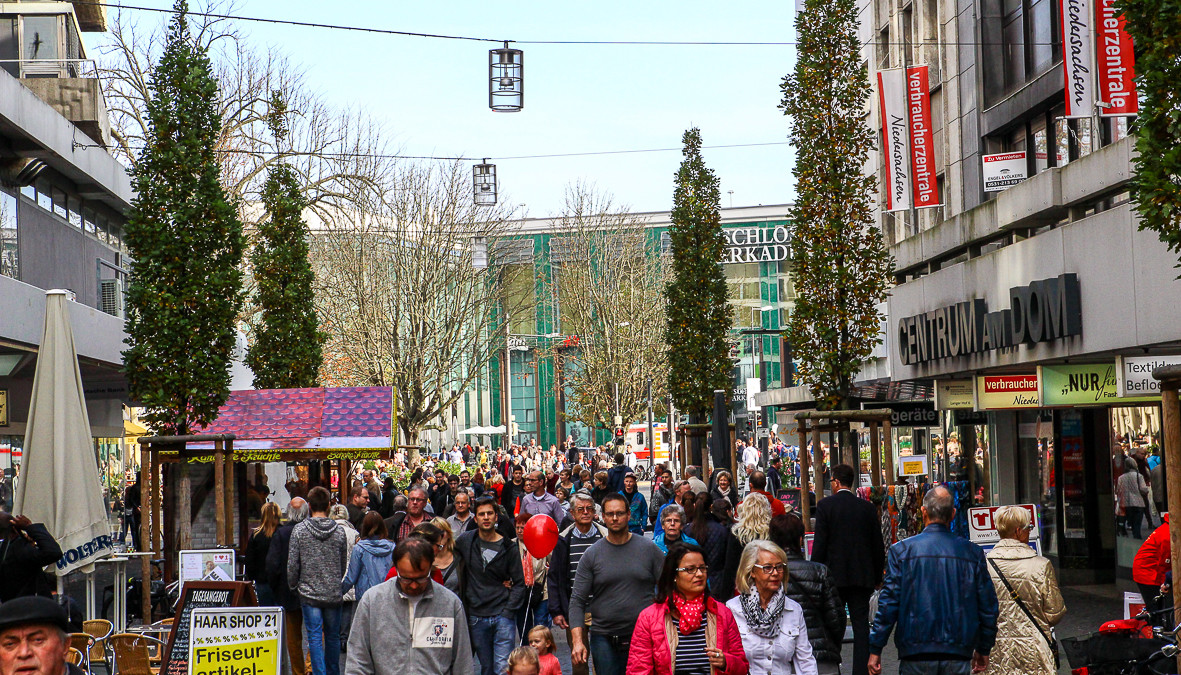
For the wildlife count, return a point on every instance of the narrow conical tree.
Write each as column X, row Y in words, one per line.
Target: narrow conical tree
column 699, row 313
column 840, row 267
column 1155, row 29
column 185, row 290
column 286, row 351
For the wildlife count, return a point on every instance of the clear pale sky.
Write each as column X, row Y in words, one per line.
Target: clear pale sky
column 432, row 95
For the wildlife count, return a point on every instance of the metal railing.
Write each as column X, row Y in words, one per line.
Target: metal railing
column 53, row 67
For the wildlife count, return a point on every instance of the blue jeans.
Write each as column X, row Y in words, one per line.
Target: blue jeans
column 953, row 667
column 321, row 627
column 493, row 639
column 528, row 617
column 608, row 660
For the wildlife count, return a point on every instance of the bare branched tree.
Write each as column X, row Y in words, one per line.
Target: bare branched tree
column 400, row 299
column 608, row 280
column 335, row 153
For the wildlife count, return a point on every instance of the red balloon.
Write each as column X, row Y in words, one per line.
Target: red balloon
column 540, row 535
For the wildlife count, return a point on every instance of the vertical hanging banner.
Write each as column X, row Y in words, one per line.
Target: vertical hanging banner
column 1078, row 58
column 892, row 102
column 922, row 138
column 1117, row 63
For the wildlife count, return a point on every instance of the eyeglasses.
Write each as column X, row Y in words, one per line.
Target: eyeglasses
column 615, row 514
column 414, row 581
column 694, row 571
column 417, row 499
column 584, row 509
column 776, row 568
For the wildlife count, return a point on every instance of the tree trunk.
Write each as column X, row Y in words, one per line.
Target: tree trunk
column 413, row 456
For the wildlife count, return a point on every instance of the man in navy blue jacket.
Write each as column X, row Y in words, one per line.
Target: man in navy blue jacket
column 938, row 593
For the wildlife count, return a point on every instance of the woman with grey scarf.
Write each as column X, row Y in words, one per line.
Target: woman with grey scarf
column 774, row 635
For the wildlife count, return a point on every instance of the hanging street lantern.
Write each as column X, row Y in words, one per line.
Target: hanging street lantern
column 484, row 184
column 506, row 79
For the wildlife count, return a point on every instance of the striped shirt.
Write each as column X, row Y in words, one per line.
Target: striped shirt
column 579, row 543
column 691, row 656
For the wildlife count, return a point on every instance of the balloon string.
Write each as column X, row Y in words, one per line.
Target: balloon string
column 528, row 607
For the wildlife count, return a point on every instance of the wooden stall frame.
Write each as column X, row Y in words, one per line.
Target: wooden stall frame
column 816, row 421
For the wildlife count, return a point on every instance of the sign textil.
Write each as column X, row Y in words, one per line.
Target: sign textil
column 1134, row 374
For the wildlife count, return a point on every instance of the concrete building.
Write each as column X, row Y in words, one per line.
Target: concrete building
column 1033, row 313
column 62, row 205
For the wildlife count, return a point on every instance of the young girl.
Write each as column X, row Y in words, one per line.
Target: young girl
column 523, row 661
column 541, row 639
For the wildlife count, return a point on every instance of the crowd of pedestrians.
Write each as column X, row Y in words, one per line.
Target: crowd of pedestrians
column 692, row 578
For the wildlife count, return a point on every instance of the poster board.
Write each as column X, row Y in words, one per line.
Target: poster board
column 214, row 564
column 982, row 530
column 248, row 638
column 197, row 595
column 912, row 465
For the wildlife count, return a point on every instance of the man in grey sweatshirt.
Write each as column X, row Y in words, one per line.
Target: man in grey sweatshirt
column 409, row 624
column 616, row 580
column 315, row 565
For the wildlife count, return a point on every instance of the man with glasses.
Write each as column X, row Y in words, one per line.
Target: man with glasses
column 573, row 543
column 616, row 580
column 410, row 624
column 494, row 588
column 399, row 525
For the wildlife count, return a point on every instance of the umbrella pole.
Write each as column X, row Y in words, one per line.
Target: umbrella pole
column 145, row 532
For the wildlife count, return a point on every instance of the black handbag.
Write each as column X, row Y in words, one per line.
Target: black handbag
column 1053, row 644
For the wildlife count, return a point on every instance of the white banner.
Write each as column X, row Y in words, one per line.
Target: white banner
column 1078, row 58
column 895, row 146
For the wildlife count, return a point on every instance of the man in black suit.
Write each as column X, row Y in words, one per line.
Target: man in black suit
column 849, row 541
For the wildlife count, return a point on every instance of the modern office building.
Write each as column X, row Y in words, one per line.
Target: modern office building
column 758, row 272
column 62, row 203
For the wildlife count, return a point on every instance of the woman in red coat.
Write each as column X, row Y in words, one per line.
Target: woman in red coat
column 685, row 631
column 1151, row 563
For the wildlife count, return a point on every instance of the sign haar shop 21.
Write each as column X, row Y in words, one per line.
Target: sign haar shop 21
column 1044, row 310
column 755, row 244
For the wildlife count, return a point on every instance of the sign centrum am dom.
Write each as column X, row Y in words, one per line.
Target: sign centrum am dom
column 1043, row 311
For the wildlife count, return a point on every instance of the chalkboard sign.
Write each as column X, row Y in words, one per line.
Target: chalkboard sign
column 196, row 594
column 790, row 499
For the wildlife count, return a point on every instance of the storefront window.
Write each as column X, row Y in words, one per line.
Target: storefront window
column 1135, row 452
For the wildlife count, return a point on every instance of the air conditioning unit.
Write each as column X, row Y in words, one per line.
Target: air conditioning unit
column 111, row 297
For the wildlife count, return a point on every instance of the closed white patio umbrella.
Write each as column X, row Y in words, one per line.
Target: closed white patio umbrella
column 59, row 476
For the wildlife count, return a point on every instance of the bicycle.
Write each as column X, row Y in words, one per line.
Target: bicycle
column 1125, row 647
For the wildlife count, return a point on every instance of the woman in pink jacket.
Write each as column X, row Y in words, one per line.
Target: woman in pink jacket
column 685, row 632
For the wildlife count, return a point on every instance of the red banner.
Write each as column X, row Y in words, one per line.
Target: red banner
column 922, row 138
column 1116, row 61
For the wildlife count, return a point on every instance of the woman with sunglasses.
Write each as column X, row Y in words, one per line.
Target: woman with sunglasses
column 685, row 632
column 772, row 626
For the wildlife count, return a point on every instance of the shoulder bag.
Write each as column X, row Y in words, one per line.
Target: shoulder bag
column 1050, row 641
